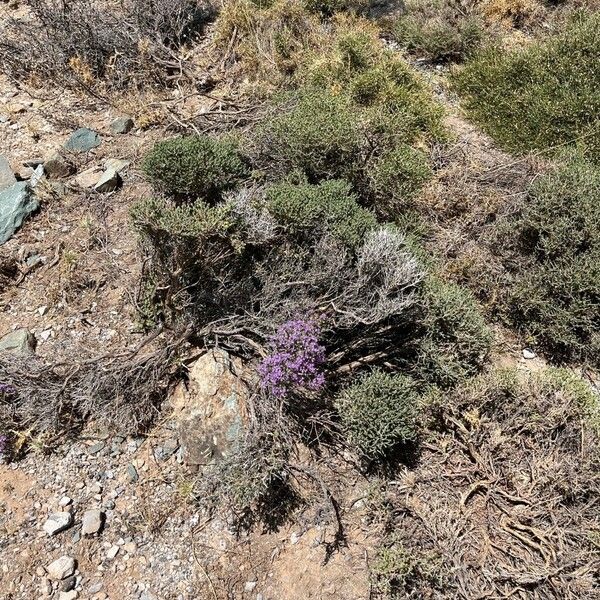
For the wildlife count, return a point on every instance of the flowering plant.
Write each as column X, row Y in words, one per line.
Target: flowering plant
column 296, row 361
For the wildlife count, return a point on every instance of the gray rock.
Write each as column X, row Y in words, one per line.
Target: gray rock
column 97, row 447
column 210, row 413
column 16, row 204
column 57, row 167
column 7, row 177
column 83, row 140
column 36, row 176
column 92, row 522
column 72, row 595
column 109, row 181
column 19, row 341
column 121, row 125
column 132, row 473
column 116, row 164
column 58, row 522
column 61, row 568
column 95, row 587
column 528, row 354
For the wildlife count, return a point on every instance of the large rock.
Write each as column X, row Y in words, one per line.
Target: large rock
column 211, row 411
column 19, row 341
column 7, row 177
column 92, row 522
column 58, row 522
column 108, row 182
column 16, row 203
column 82, row 140
column 121, row 125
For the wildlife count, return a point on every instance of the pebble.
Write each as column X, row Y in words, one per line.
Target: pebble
column 61, row 568
column 65, row 501
column 92, row 522
column 528, row 354
column 112, row 552
column 72, row 595
column 250, row 585
column 58, row 522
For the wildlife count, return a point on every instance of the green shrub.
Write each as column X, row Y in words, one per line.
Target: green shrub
column 379, row 412
column 330, row 7
column 555, row 261
column 396, row 177
column 321, row 135
column 329, row 206
column 441, row 30
column 456, row 340
column 540, row 96
column 194, row 166
column 397, row 572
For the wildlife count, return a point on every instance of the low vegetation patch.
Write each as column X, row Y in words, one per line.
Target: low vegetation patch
column 89, row 45
column 542, row 96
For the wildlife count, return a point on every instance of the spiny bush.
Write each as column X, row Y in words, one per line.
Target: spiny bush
column 455, row 339
column 330, row 206
column 541, row 96
column 396, row 177
column 552, row 250
column 194, row 166
column 379, row 412
column 441, row 30
column 320, row 134
column 397, row 572
column 87, row 43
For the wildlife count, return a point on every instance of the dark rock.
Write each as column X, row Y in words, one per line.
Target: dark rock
column 16, row 204
column 57, row 166
column 121, row 125
column 83, row 140
column 20, row 341
column 7, row 177
column 68, row 584
column 132, row 473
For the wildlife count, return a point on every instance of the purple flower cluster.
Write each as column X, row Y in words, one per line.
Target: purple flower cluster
column 296, row 361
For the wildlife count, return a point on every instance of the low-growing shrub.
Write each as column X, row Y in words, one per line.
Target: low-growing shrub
column 87, row 43
column 194, row 167
column 552, row 252
column 541, row 96
column 330, row 207
column 397, row 572
column 440, row 30
column 319, row 133
column 379, row 413
column 396, row 177
column 455, row 340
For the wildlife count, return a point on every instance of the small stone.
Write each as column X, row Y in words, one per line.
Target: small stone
column 65, row 501
column 92, row 522
column 95, row 587
column 61, row 568
column 528, row 354
column 20, row 341
column 58, row 522
column 132, row 473
column 68, row 584
column 250, row 585
column 7, row 177
column 116, row 164
column 130, row 548
column 112, row 552
column 88, row 178
column 108, row 182
column 97, row 447
column 72, row 595
column 36, row 176
column 57, row 166
column 121, row 125
column 34, row 163
column 295, row 538
column 83, row 140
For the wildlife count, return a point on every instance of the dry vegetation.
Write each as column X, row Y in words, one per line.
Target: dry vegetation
column 356, row 242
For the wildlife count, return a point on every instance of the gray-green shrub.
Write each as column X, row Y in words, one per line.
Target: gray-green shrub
column 194, row 166
column 541, row 96
column 379, row 412
column 329, row 206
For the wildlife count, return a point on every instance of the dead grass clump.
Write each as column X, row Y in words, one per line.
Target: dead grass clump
column 506, row 492
column 121, row 391
column 514, row 13
column 93, row 45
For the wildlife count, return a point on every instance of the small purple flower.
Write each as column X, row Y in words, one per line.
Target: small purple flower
column 296, row 361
